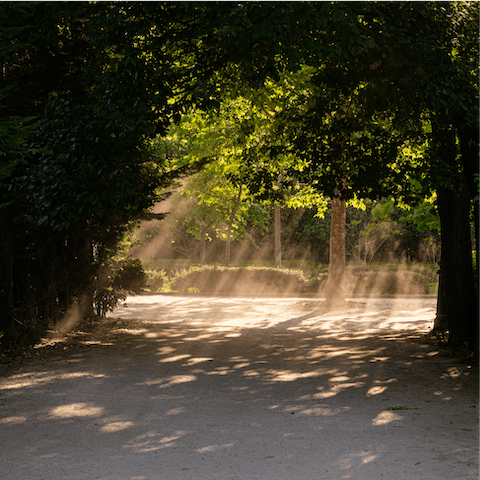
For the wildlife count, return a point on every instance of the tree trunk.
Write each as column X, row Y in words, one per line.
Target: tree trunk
column 470, row 148
column 277, row 235
column 335, row 290
column 458, row 298
column 229, row 228
column 440, row 324
column 203, row 245
column 457, row 270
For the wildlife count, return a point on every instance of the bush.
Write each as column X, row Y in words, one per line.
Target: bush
column 392, row 279
column 157, row 280
column 122, row 278
column 374, row 279
column 255, row 281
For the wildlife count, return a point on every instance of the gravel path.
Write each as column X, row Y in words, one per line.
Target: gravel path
column 197, row 388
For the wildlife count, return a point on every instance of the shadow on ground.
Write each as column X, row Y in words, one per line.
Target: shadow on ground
column 197, row 388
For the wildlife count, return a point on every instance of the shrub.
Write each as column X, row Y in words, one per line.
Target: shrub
column 391, row 279
column 374, row 279
column 157, row 280
column 116, row 281
column 255, row 281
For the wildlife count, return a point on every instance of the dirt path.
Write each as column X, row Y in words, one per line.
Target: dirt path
column 200, row 388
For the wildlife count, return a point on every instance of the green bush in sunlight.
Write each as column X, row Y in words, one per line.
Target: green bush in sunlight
column 374, row 279
column 209, row 279
column 121, row 278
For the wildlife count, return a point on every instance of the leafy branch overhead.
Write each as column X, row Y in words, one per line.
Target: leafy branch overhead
column 106, row 106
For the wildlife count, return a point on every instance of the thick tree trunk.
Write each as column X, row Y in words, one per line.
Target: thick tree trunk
column 476, row 213
column 229, row 228
column 458, row 297
column 335, row 290
column 470, row 148
column 440, row 324
column 277, row 235
column 457, row 272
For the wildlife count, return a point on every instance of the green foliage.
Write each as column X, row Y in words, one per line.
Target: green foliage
column 423, row 222
column 316, row 98
column 115, row 282
column 375, row 279
column 79, row 109
column 214, row 192
column 391, row 279
column 307, row 230
column 158, row 281
column 75, row 144
column 476, row 177
column 14, row 133
column 247, row 152
column 368, row 229
column 256, row 281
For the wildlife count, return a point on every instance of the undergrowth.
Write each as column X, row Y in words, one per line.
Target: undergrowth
column 184, row 277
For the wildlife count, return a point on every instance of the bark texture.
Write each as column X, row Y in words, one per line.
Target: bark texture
column 457, row 270
column 335, row 292
column 458, row 297
column 469, row 146
column 203, row 245
column 277, row 235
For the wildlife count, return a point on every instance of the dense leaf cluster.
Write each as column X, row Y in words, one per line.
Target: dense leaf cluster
column 81, row 101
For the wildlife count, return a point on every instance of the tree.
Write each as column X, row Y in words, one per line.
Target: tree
column 385, row 70
column 241, row 139
column 73, row 182
column 109, row 77
column 220, row 201
column 417, row 65
column 372, row 228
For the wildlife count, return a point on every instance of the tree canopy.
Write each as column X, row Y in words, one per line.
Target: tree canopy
column 361, row 98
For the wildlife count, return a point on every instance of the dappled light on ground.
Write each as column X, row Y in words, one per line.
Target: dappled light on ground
column 75, row 410
column 224, row 388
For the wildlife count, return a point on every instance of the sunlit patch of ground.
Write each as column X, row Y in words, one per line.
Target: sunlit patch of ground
column 243, row 388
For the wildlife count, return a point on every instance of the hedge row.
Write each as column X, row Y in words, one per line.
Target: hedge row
column 262, row 281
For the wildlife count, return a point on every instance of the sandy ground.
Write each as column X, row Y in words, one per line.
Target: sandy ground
column 196, row 388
